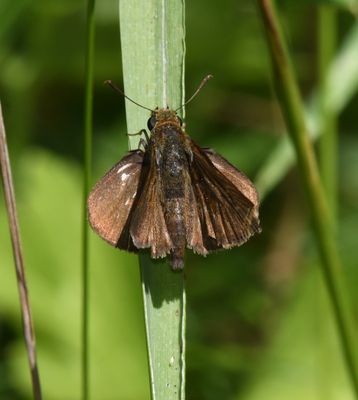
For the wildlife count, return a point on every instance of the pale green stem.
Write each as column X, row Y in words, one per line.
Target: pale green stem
column 153, row 49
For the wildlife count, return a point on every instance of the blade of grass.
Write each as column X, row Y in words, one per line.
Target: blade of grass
column 292, row 109
column 153, row 48
column 87, row 139
column 341, row 85
column 10, row 200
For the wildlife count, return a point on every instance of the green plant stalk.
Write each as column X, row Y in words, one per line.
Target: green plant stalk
column 153, row 50
column 327, row 32
column 292, row 109
column 87, row 138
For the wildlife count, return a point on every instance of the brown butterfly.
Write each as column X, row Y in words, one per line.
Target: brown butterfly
column 173, row 195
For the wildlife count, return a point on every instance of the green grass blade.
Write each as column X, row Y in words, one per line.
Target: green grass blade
column 88, row 115
column 292, row 109
column 342, row 84
column 153, row 48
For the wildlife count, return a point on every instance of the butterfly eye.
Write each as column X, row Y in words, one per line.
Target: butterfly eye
column 151, row 122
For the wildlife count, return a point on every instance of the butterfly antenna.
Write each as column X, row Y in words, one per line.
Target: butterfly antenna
column 202, row 84
column 117, row 89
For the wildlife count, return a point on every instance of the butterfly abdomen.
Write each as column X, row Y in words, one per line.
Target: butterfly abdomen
column 173, row 173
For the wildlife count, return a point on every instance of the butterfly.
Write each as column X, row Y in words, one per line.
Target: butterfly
column 173, row 195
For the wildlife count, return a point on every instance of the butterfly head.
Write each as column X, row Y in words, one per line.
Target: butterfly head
column 162, row 116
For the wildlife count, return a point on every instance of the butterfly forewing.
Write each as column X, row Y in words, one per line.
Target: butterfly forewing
column 110, row 201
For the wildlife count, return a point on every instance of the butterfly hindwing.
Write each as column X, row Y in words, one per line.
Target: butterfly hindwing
column 226, row 203
column 236, row 177
column 148, row 228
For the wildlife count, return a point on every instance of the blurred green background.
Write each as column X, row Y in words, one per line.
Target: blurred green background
column 259, row 323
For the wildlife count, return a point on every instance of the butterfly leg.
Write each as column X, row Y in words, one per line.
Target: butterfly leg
column 143, row 141
column 141, row 132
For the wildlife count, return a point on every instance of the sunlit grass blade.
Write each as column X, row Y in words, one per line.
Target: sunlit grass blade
column 153, row 47
column 292, row 108
column 9, row 192
column 88, row 113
